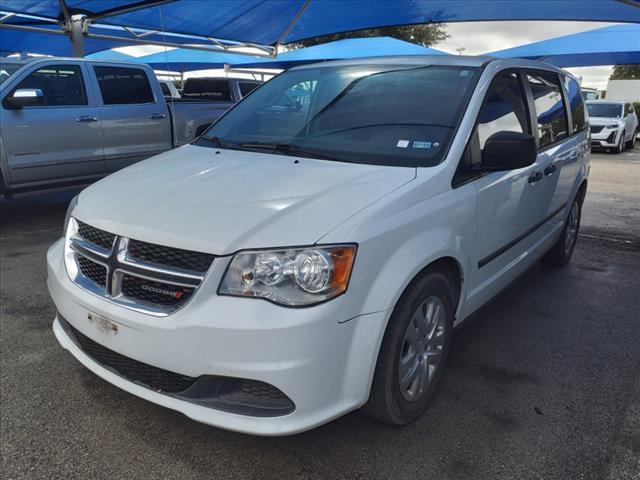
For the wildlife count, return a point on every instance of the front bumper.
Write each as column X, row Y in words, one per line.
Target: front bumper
column 606, row 138
column 322, row 362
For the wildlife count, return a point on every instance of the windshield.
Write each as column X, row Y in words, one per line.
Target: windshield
column 8, row 69
column 604, row 109
column 388, row 115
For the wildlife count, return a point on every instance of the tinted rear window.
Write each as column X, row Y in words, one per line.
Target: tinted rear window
column 207, row 88
column 120, row 85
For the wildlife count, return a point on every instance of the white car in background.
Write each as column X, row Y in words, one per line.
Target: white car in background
column 614, row 124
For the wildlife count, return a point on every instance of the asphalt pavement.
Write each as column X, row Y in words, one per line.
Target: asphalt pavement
column 543, row 384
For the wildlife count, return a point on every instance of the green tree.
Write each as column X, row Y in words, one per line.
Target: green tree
column 426, row 35
column 625, row 72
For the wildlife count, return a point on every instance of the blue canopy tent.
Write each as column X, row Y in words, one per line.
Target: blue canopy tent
column 16, row 41
column 230, row 24
column 113, row 55
column 615, row 45
column 185, row 60
column 341, row 49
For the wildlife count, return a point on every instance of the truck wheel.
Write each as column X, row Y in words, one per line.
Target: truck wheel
column 414, row 351
column 632, row 141
column 562, row 250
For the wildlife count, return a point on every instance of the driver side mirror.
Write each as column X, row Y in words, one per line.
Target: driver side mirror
column 509, row 151
column 24, row 97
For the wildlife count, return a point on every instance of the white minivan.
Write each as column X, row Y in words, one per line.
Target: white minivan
column 312, row 252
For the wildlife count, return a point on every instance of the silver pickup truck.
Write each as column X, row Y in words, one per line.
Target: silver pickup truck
column 66, row 122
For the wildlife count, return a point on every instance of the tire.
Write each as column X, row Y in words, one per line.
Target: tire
column 620, row 147
column 632, row 141
column 390, row 401
column 562, row 250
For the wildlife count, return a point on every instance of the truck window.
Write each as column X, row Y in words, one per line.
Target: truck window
column 504, row 108
column 576, row 104
column 207, row 88
column 246, row 88
column 549, row 107
column 120, row 85
column 62, row 85
column 165, row 89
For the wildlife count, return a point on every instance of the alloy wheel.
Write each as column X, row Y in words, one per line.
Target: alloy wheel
column 572, row 227
column 422, row 348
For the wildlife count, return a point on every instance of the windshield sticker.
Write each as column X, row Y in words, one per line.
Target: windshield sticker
column 402, row 143
column 421, row 145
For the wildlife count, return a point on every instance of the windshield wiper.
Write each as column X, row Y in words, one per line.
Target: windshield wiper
column 290, row 149
column 219, row 141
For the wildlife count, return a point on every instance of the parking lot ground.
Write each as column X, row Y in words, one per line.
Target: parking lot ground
column 543, row 383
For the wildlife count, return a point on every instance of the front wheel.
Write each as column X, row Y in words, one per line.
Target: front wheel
column 562, row 250
column 413, row 351
column 620, row 147
column 632, row 141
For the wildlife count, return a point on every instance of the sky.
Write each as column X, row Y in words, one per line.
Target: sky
column 483, row 37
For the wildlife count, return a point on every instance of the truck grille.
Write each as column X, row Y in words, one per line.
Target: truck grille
column 147, row 277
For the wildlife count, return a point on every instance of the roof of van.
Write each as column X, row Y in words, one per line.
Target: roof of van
column 453, row 60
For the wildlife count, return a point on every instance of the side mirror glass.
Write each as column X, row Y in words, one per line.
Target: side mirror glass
column 24, row 97
column 508, row 151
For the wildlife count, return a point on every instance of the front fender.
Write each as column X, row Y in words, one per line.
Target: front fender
column 401, row 238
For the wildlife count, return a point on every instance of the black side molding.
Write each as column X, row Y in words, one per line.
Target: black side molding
column 519, row 238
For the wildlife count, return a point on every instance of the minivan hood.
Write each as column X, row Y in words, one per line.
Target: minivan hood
column 221, row 201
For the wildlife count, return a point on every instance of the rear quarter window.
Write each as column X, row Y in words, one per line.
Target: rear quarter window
column 576, row 105
column 549, row 107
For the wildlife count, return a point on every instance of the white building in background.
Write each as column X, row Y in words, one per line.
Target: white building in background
column 624, row 90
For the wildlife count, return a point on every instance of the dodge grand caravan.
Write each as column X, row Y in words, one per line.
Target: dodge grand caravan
column 312, row 252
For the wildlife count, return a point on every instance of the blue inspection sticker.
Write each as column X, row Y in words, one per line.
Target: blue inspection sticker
column 421, row 145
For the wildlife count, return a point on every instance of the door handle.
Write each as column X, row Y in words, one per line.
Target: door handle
column 157, row 116
column 536, row 177
column 550, row 169
column 86, row 118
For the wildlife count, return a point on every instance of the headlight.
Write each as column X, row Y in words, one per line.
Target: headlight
column 72, row 205
column 614, row 125
column 296, row 277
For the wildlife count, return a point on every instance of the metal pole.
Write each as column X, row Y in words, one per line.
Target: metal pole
column 76, row 33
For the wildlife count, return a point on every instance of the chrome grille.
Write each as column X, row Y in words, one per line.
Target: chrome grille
column 170, row 257
column 96, row 236
column 146, row 277
column 93, row 271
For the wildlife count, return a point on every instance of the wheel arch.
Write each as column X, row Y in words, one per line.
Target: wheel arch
column 582, row 191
